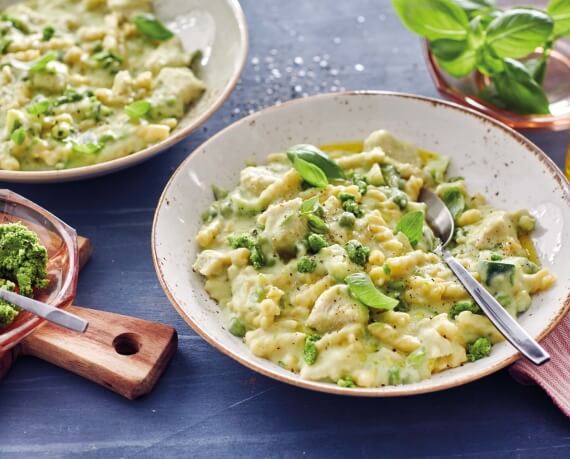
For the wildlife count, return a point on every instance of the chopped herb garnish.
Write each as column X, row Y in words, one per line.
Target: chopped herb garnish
column 47, row 33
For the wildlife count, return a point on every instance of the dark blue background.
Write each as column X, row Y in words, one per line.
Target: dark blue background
column 206, row 404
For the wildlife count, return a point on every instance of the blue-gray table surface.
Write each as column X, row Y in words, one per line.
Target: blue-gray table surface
column 207, row 405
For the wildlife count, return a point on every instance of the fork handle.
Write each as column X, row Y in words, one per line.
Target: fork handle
column 504, row 322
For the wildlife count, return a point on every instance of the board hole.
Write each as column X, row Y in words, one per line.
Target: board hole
column 126, row 344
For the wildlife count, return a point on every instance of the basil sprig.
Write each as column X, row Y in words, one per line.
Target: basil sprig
column 312, row 174
column 469, row 35
column 315, row 156
column 313, row 165
column 151, row 27
column 361, row 287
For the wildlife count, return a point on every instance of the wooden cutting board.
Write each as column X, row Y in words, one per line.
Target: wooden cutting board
column 121, row 353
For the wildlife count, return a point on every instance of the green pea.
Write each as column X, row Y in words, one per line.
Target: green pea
column 347, row 220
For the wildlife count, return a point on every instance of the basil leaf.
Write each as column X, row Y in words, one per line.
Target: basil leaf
column 412, row 225
column 446, row 49
column 39, row 108
column 87, row 148
column 476, row 6
column 518, row 91
column 320, row 159
column 461, row 66
column 151, row 27
column 454, row 200
column 560, row 12
column 309, row 205
column 311, row 174
column 433, row 19
column 137, row 109
column 487, row 61
column 18, row 136
column 519, row 31
column 41, row 64
column 361, row 287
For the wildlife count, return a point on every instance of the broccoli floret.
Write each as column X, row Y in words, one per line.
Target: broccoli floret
column 461, row 306
column 346, row 382
column 257, row 257
column 478, row 349
column 357, row 252
column 247, row 241
column 306, row 265
column 239, row 241
column 316, row 242
column 310, row 352
column 353, row 208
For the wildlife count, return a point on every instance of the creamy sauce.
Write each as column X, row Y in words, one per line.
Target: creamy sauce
column 82, row 83
column 278, row 256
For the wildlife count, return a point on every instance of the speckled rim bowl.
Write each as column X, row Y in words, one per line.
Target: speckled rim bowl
column 222, row 35
column 511, row 171
column 60, row 241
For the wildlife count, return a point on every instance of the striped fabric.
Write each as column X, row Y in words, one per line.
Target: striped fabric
column 554, row 376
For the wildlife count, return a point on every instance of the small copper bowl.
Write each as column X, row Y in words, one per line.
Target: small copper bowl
column 63, row 261
column 557, row 86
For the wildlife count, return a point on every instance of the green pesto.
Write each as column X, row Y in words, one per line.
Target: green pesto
column 23, row 265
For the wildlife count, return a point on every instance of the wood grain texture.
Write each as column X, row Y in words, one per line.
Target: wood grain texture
column 97, row 354
column 206, row 405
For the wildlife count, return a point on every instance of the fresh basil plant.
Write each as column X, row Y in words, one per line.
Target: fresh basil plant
column 474, row 35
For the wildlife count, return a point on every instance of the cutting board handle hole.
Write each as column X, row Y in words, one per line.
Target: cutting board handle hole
column 126, row 344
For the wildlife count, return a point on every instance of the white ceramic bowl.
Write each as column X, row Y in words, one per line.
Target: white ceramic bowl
column 511, row 171
column 219, row 29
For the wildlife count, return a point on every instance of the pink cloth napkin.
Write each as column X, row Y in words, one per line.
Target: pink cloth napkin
column 553, row 376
